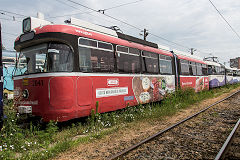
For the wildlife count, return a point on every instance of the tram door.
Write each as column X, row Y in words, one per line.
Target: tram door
column 1, row 83
column 176, row 69
column 84, row 91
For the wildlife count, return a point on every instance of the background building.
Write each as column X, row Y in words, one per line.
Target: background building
column 235, row 63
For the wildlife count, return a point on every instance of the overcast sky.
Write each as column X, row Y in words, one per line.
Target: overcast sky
column 190, row 23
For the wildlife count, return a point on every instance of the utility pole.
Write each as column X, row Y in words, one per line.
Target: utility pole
column 1, row 81
column 192, row 50
column 145, row 34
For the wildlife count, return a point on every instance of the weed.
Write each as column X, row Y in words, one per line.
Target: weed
column 36, row 143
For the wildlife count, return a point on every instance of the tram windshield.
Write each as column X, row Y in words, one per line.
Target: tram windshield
column 53, row 57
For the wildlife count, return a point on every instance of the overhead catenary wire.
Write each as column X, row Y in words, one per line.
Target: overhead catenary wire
column 127, row 23
column 224, row 19
column 13, row 13
column 3, row 13
column 91, row 11
column 121, row 5
column 70, row 14
column 7, row 19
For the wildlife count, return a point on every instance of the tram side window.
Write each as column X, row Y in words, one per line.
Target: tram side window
column 234, row 73
column 199, row 69
column 93, row 59
column 210, row 70
column 165, row 64
column 149, row 62
column 128, row 62
column 238, row 73
column 192, row 68
column 87, row 42
column 229, row 72
column 217, row 70
column 214, row 70
column 184, row 67
column 222, row 72
column 204, row 70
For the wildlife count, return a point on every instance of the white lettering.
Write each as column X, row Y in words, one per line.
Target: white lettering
column 107, row 92
column 186, row 83
column 84, row 32
column 112, row 82
column 28, row 102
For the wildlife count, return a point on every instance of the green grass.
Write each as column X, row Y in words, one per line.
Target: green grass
column 35, row 143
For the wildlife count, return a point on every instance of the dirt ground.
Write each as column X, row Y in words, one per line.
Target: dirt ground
column 135, row 132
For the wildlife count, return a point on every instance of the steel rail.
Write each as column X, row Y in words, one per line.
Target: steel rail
column 167, row 129
column 227, row 144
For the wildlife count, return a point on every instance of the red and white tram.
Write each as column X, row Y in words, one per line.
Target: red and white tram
column 83, row 64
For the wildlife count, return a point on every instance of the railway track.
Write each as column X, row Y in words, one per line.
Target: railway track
column 199, row 136
column 231, row 147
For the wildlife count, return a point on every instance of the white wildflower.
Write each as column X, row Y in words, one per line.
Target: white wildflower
column 12, row 147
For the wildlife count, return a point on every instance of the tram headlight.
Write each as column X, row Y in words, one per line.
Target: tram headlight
column 25, row 93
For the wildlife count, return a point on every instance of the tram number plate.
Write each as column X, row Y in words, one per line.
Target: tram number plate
column 37, row 83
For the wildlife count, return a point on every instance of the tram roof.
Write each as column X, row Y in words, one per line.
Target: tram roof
column 187, row 56
column 98, row 35
column 212, row 63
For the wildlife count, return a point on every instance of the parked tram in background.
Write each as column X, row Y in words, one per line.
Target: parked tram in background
column 193, row 72
column 216, row 74
column 83, row 64
column 236, row 75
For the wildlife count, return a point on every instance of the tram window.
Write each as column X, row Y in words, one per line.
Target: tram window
column 214, row 70
column 134, row 51
column 149, row 54
column 105, row 45
column 234, row 73
column 217, row 70
column 122, row 49
column 59, row 58
column 95, row 60
column 40, row 62
column 150, row 62
column 87, row 42
column 168, row 58
column 184, row 67
column 192, row 68
column 199, row 69
column 210, row 71
column 222, row 71
column 52, row 57
column 127, row 63
column 162, row 56
column 184, row 61
column 205, row 70
column 165, row 66
column 165, row 63
column 8, row 60
column 229, row 72
column 238, row 73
